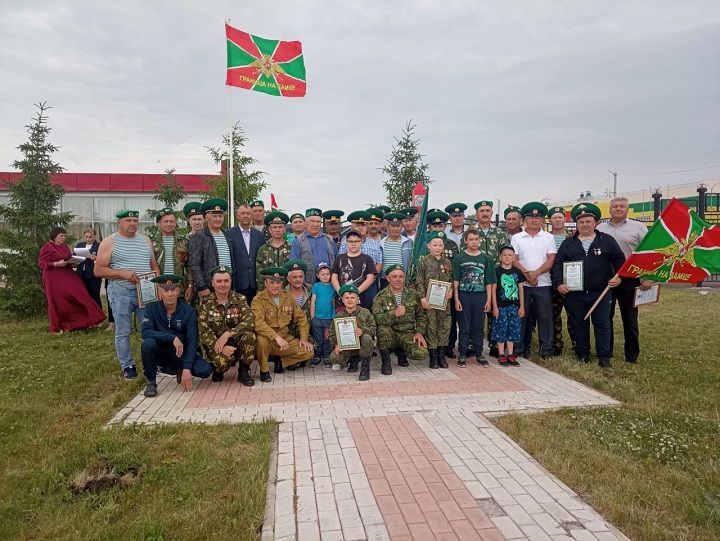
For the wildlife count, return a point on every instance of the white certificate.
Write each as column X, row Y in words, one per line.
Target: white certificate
column 649, row 296
column 146, row 290
column 345, row 333
column 573, row 276
column 83, row 252
column 437, row 294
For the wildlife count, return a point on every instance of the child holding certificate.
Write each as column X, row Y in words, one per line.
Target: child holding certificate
column 508, row 307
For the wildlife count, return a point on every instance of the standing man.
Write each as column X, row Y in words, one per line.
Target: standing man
column 258, row 214
column 556, row 215
column 410, row 223
column 383, row 225
column 332, row 220
column 373, row 226
column 628, row 234
column 246, row 241
column 210, row 247
column 513, row 217
column 396, row 249
column 121, row 257
column 171, row 249
column 437, row 221
column 194, row 216
column 170, row 338
column 297, row 227
column 313, row 246
column 455, row 232
column 276, row 251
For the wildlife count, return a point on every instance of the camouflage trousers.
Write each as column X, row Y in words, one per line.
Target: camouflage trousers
column 367, row 343
column 293, row 355
column 437, row 332
column 390, row 339
column 244, row 353
column 557, row 309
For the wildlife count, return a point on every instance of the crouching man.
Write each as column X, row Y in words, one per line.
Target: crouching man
column 364, row 330
column 169, row 333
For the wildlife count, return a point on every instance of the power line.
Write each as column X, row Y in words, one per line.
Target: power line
column 671, row 172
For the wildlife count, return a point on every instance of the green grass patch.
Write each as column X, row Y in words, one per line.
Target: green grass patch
column 183, row 481
column 652, row 465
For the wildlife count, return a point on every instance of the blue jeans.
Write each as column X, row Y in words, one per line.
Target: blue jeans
column 124, row 304
column 319, row 329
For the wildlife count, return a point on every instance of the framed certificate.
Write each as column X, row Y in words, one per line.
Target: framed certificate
column 573, row 275
column 146, row 290
column 345, row 333
column 650, row 296
column 436, row 294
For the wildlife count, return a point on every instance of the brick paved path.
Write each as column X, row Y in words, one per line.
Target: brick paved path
column 404, row 457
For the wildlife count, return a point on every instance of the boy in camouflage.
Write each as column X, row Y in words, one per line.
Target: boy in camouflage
column 435, row 266
column 365, row 331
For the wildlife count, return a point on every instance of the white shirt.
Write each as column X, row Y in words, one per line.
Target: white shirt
column 533, row 251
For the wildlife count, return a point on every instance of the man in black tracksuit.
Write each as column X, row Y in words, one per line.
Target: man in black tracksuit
column 601, row 258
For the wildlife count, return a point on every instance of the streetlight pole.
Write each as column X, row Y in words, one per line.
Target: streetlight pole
column 614, row 174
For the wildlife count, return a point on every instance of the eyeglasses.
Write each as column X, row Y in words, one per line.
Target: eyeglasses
column 356, row 241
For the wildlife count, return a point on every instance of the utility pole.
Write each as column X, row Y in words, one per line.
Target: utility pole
column 614, row 174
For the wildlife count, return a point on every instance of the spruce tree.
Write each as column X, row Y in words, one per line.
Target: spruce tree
column 28, row 218
column 404, row 169
column 247, row 184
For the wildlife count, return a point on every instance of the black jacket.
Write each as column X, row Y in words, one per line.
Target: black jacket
column 603, row 260
column 182, row 324
column 86, row 269
column 203, row 257
column 243, row 262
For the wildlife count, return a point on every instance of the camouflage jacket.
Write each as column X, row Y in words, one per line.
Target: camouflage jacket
column 365, row 322
column 180, row 256
column 305, row 306
column 430, row 268
column 273, row 320
column 215, row 318
column 415, row 318
column 269, row 256
column 492, row 241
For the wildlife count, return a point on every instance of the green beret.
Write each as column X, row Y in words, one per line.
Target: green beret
column 512, row 208
column 257, row 203
column 167, row 279
column 555, row 210
column 534, row 209
column 384, row 208
column 395, row 217
column 359, row 216
column 333, row 215
column 313, row 212
column 193, row 208
column 221, row 268
column 295, row 264
column 276, row 217
column 483, row 203
column 164, row 212
column 297, row 215
column 585, row 209
column 214, row 204
column 409, row 212
column 376, row 214
column 392, row 268
column 437, row 217
column 436, row 235
column 274, row 272
column 456, row 208
column 126, row 213
column 348, row 288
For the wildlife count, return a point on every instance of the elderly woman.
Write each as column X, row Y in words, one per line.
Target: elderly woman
column 70, row 306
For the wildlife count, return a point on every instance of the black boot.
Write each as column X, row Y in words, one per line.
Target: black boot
column 265, row 376
column 364, row 369
column 278, row 364
column 604, row 362
column 353, row 364
column 243, row 375
column 449, row 352
column 433, row 354
column 494, row 352
column 217, row 376
column 442, row 363
column 402, row 358
column 385, row 366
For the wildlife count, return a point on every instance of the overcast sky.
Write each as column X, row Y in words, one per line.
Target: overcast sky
column 512, row 100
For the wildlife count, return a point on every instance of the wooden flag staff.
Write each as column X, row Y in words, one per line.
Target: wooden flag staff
column 605, row 291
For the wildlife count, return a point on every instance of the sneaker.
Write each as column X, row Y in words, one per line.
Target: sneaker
column 151, row 390
column 336, row 366
column 512, row 360
column 316, row 361
column 326, row 361
column 482, row 361
column 461, row 362
column 130, row 372
column 162, row 374
column 502, row 360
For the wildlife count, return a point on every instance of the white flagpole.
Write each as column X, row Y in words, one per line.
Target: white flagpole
column 231, row 167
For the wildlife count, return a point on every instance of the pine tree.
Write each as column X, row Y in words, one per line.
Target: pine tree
column 404, row 169
column 28, row 218
column 248, row 185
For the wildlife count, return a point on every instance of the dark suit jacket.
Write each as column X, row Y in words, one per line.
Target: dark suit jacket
column 244, row 261
column 86, row 269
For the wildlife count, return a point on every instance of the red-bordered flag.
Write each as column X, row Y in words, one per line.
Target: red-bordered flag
column 273, row 202
column 264, row 65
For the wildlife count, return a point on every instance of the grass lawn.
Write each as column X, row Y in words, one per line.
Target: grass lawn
column 652, row 466
column 181, row 481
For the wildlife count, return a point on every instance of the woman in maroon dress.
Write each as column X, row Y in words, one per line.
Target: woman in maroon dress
column 70, row 307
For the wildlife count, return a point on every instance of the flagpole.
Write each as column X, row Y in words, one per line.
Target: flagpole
column 605, row 291
column 231, row 165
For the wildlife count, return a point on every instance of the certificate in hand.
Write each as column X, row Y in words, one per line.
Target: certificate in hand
column 146, row 290
column 345, row 333
column 650, row 296
column 437, row 294
column 573, row 275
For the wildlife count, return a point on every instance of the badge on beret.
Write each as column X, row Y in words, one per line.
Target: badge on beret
column 409, row 212
column 220, row 268
column 297, row 215
column 456, row 208
column 276, row 217
column 483, row 203
column 274, row 272
column 348, row 288
column 167, row 211
column 534, row 209
column 313, row 212
column 295, row 264
column 257, row 203
column 437, row 217
column 394, row 217
column 167, row 279
column 555, row 210
column 376, row 214
column 392, row 268
column 511, row 208
column 215, row 204
column 333, row 215
column 193, row 208
column 126, row 213
column 436, row 235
